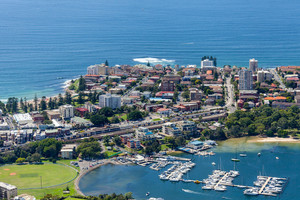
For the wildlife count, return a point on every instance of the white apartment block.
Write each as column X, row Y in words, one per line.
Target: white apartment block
column 7, row 191
column 253, row 65
column 245, row 80
column 66, row 111
column 144, row 134
column 97, row 70
column 207, row 63
column 108, row 100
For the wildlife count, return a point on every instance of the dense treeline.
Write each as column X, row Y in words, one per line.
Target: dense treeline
column 263, row 121
column 90, row 148
column 100, row 118
column 33, row 152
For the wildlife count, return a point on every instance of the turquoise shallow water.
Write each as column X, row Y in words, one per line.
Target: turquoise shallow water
column 43, row 40
column 140, row 180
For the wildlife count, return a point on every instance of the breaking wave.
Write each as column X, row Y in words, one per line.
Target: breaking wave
column 152, row 60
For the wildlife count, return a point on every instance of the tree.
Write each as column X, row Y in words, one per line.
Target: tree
column 106, row 63
column 282, row 123
column 89, row 149
column 180, row 141
column 260, row 128
column 43, row 105
column 99, row 120
column 80, row 99
column 185, row 94
column 81, row 84
column 106, row 139
column 117, row 140
column 20, row 160
column 60, row 100
column 35, row 102
column 36, row 157
column 106, row 111
column 115, row 120
column 135, row 115
column 68, row 99
column 251, row 129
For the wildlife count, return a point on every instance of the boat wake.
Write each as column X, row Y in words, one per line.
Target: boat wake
column 190, row 191
column 152, row 60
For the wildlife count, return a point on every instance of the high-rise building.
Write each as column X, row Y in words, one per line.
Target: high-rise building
column 264, row 76
column 253, row 65
column 245, row 80
column 99, row 69
column 108, row 100
column 168, row 82
column 195, row 94
column 207, row 63
column 7, row 191
column 66, row 111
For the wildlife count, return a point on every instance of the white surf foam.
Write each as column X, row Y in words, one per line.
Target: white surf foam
column 152, row 60
column 190, row 191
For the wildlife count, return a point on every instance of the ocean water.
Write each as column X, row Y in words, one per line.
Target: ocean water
column 140, row 180
column 43, row 40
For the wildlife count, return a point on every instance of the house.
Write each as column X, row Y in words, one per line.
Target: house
column 195, row 144
column 144, row 134
column 170, row 128
column 188, row 126
column 164, row 111
column 53, row 114
column 134, row 144
column 165, row 94
column 68, row 151
column 81, row 122
column 126, row 137
column 23, row 118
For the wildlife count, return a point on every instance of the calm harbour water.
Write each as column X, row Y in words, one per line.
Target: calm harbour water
column 43, row 40
column 140, row 180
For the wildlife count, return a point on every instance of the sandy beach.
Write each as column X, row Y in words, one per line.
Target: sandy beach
column 273, row 140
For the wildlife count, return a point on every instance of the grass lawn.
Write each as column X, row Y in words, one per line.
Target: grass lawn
column 39, row 193
column 157, row 119
column 29, row 176
column 165, row 147
column 124, row 117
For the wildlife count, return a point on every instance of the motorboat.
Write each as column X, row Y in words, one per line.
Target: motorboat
column 213, row 163
column 220, row 188
column 207, row 187
column 258, row 154
column 251, row 192
column 243, row 155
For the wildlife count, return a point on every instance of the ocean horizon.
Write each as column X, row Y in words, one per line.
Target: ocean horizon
column 44, row 40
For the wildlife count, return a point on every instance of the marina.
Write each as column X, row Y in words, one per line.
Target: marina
column 244, row 184
column 218, row 181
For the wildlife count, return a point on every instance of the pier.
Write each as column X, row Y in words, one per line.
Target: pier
column 264, row 185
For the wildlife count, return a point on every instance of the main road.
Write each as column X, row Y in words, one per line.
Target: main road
column 117, row 130
column 230, row 102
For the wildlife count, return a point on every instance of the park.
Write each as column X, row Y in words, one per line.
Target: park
column 36, row 176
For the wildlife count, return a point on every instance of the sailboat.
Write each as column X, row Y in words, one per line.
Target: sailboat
column 235, row 159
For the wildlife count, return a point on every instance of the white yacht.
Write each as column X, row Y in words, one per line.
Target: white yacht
column 251, row 192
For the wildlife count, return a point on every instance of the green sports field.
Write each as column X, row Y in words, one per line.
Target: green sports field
column 30, row 176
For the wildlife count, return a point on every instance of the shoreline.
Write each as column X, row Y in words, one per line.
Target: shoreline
column 258, row 139
column 83, row 173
